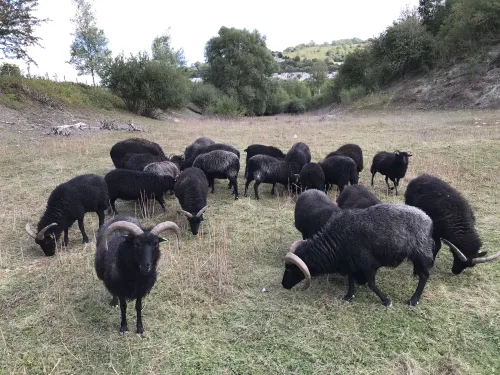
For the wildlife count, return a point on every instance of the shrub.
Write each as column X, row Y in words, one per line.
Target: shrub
column 276, row 99
column 205, row 95
column 227, row 106
column 296, row 106
column 348, row 96
column 12, row 70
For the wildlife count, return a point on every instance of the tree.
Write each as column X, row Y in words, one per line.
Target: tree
column 162, row 50
column 89, row 50
column 432, row 13
column 318, row 75
column 17, row 25
column 239, row 63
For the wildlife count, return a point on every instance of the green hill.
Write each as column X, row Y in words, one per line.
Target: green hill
column 336, row 51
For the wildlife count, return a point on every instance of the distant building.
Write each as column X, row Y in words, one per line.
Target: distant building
column 196, row 80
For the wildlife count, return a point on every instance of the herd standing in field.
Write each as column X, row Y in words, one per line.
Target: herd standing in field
column 354, row 237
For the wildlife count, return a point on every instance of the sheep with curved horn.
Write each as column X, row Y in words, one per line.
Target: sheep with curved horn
column 358, row 242
column 453, row 218
column 68, row 203
column 126, row 259
column 191, row 189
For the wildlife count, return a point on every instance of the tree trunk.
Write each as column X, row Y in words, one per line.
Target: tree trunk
column 93, row 80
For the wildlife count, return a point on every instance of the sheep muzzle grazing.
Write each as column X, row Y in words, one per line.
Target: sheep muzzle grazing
column 294, row 275
column 471, row 262
column 194, row 220
column 47, row 243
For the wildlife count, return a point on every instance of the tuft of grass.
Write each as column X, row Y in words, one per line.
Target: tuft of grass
column 208, row 313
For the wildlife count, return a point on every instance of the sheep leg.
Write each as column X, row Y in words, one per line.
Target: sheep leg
column 247, row 183
column 113, row 208
column 138, row 309
column 230, row 185
column 234, row 183
column 114, row 301
column 273, row 190
column 82, row 229
column 350, row 289
column 66, row 238
column 370, row 279
column 387, row 182
column 211, row 182
column 341, row 188
column 437, row 246
column 100, row 214
column 256, row 189
column 423, row 276
column 373, row 176
column 123, row 310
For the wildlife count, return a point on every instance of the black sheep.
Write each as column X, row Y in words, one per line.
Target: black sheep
column 454, row 221
column 357, row 243
column 312, row 210
column 302, row 149
column 357, row 196
column 68, row 203
column 193, row 147
column 213, row 147
column 133, row 145
column 191, row 189
column 137, row 162
column 391, row 164
column 219, row 164
column 125, row 260
column 312, row 176
column 339, row 170
column 351, row 150
column 257, row 149
column 131, row 185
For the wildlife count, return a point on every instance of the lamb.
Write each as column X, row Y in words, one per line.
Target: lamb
column 199, row 143
column 257, row 149
column 267, row 169
column 191, row 189
column 68, row 203
column 391, row 164
column 351, row 150
column 133, row 145
column 312, row 176
column 340, row 171
column 357, row 196
column 125, row 260
column 131, row 185
column 137, row 162
column 453, row 219
column 203, row 150
column 219, row 164
column 357, row 243
column 312, row 210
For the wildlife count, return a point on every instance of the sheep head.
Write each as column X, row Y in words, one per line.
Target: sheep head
column 461, row 262
column 194, row 220
column 46, row 240
column 295, row 269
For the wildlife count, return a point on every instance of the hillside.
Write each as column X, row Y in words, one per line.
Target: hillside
column 336, row 51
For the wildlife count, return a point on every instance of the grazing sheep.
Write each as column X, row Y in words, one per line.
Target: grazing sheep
column 351, row 150
column 219, row 164
column 163, row 168
column 302, row 149
column 391, row 164
column 125, row 260
column 131, row 185
column 453, row 219
column 312, row 176
column 191, row 149
column 191, row 189
column 340, row 171
column 257, row 149
column 357, row 243
column 137, row 162
column 357, row 196
column 133, row 145
column 266, row 169
column 68, row 203
column 213, row 147
column 312, row 210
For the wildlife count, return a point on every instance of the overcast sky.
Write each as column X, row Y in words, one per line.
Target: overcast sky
column 131, row 25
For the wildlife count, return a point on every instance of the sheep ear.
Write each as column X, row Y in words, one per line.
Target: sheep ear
column 396, row 152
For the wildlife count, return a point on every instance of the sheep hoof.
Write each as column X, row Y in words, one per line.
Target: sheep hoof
column 140, row 330
column 85, row 240
column 412, row 303
column 348, row 298
column 123, row 329
column 387, row 303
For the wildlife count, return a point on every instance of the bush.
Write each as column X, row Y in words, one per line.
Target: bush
column 276, row 99
column 348, row 96
column 227, row 106
column 296, row 106
column 146, row 85
column 205, row 95
column 12, row 70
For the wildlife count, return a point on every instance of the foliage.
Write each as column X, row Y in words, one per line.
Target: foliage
column 296, row 89
column 277, row 99
column 17, row 27
column 432, row 13
column 348, row 96
column 162, row 50
column 296, row 106
column 240, row 64
column 205, row 95
column 89, row 50
column 146, row 84
column 318, row 76
column 7, row 69
column 227, row 106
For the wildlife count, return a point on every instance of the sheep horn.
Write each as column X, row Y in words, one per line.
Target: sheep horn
column 168, row 225
column 485, row 259
column 455, row 249
column 41, row 234
column 29, row 231
column 185, row 213
column 200, row 212
column 295, row 245
column 291, row 258
column 123, row 225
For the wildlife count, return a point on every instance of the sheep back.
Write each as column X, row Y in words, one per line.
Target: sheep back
column 312, row 211
column 351, row 150
column 340, row 170
column 163, row 168
column 199, row 143
column 130, row 185
column 133, row 145
column 138, row 162
column 191, row 189
column 357, row 196
column 218, row 164
column 312, row 176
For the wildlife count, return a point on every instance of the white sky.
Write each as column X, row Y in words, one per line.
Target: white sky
column 131, row 25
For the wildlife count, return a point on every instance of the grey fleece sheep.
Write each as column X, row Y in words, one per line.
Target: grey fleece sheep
column 137, row 162
column 391, row 164
column 453, row 218
column 193, row 147
column 357, row 196
column 357, row 243
column 340, row 171
column 312, row 210
column 213, row 147
column 219, row 164
column 163, row 168
column 125, row 260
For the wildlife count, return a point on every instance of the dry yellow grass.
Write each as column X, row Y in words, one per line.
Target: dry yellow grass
column 207, row 313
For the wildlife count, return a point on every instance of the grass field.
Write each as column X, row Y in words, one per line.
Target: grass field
column 207, row 313
column 320, row 52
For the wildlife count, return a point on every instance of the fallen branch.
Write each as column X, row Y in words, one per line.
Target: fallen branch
column 7, row 122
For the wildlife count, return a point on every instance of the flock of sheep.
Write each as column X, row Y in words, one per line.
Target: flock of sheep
column 354, row 237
